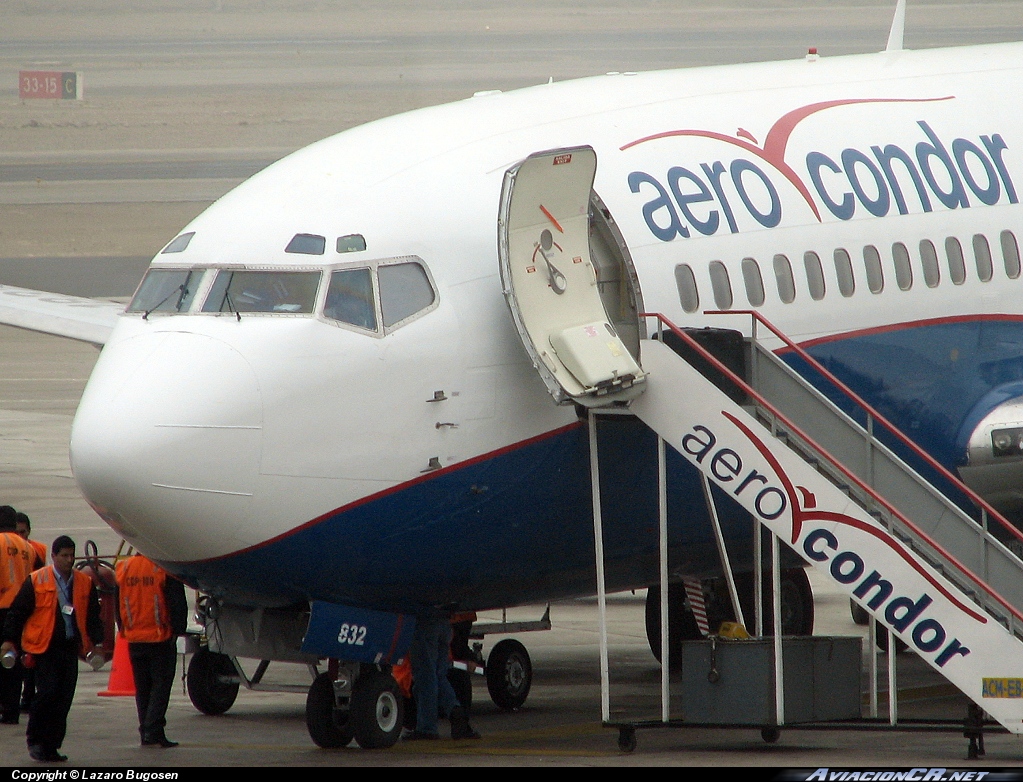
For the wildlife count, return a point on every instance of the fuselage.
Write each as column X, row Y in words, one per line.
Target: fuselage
column 410, row 454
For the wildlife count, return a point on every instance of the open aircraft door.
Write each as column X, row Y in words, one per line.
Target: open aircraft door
column 563, row 266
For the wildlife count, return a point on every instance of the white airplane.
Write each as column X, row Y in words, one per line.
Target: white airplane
column 318, row 394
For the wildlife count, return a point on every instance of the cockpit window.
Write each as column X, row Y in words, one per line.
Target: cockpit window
column 307, row 244
column 382, row 296
column 404, row 290
column 179, row 243
column 352, row 243
column 166, row 290
column 350, row 298
column 262, row 291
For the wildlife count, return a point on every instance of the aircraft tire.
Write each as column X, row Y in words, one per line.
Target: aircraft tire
column 329, row 727
column 859, row 613
column 796, row 602
column 509, row 674
column 681, row 622
column 207, row 692
column 377, row 710
column 881, row 639
column 797, row 609
column 861, row 617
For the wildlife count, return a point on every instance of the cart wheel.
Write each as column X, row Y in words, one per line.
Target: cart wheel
column 770, row 735
column 207, row 690
column 329, row 727
column 627, row 739
column 376, row 713
column 509, row 674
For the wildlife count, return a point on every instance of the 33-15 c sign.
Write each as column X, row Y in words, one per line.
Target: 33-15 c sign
column 66, row 85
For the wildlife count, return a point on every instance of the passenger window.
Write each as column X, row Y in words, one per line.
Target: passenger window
column 685, row 281
column 720, row 285
column 166, row 290
column 844, row 272
column 1010, row 254
column 929, row 261
column 814, row 275
column 783, row 278
column 956, row 262
column 404, row 290
column 872, row 265
column 982, row 254
column 903, row 269
column 350, row 298
column 753, row 281
column 264, row 291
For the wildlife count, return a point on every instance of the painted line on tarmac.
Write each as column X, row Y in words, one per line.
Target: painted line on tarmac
column 507, row 741
column 919, row 693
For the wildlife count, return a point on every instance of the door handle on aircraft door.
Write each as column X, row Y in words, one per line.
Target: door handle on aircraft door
column 554, row 275
column 445, row 425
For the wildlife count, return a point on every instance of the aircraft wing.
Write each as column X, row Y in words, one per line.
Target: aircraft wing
column 87, row 320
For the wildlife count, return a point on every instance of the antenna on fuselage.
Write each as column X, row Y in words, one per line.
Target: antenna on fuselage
column 898, row 32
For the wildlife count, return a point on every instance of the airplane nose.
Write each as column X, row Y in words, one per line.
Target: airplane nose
column 166, row 443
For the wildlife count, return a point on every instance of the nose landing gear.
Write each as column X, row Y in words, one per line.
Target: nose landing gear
column 360, row 702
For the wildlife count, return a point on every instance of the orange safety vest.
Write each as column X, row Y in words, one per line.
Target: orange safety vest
column 35, row 636
column 402, row 673
column 16, row 560
column 40, row 548
column 141, row 601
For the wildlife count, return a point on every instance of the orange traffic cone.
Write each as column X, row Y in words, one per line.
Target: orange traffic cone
column 122, row 680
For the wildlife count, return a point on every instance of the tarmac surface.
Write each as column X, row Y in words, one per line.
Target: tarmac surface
column 559, row 724
column 183, row 98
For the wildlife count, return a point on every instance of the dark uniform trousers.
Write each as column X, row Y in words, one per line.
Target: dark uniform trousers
column 10, row 686
column 153, row 666
column 56, row 677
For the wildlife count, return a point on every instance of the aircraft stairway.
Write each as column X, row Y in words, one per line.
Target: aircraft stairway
column 823, row 481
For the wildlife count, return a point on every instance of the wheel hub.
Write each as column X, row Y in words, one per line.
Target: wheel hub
column 387, row 712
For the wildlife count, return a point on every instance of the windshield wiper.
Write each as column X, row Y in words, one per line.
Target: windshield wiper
column 230, row 305
column 180, row 288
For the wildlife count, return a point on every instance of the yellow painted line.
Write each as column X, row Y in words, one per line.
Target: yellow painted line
column 496, row 744
column 924, row 692
column 503, row 752
column 507, row 739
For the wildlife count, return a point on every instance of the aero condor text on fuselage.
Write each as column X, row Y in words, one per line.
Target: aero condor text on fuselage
column 934, row 170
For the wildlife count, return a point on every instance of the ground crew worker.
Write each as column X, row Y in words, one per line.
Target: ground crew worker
column 54, row 617
column 16, row 560
column 152, row 612
column 430, row 655
column 23, row 526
